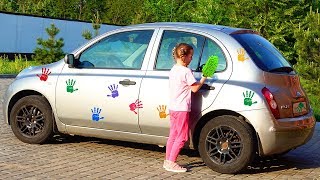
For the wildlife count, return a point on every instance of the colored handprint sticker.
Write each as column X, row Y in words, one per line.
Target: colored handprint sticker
column 162, row 111
column 114, row 90
column 44, row 75
column 248, row 98
column 241, row 55
column 135, row 105
column 70, row 83
column 96, row 114
column 300, row 107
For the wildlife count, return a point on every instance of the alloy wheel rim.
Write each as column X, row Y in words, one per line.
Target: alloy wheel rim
column 30, row 120
column 223, row 145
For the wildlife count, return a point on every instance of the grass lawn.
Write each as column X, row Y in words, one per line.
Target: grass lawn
column 15, row 66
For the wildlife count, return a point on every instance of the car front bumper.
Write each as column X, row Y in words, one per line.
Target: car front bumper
column 5, row 102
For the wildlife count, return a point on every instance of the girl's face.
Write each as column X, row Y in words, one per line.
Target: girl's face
column 188, row 58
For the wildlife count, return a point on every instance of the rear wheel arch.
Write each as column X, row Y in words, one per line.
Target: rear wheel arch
column 227, row 144
column 209, row 116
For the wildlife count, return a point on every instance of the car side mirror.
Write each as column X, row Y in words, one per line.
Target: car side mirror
column 69, row 59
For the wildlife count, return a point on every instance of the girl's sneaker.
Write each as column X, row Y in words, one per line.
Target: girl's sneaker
column 173, row 167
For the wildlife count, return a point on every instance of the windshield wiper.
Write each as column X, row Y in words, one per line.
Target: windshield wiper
column 282, row 69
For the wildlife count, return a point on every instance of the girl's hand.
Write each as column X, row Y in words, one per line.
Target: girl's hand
column 196, row 86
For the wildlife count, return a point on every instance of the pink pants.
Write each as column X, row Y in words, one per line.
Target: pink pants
column 179, row 133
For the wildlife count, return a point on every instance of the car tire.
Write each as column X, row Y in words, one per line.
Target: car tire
column 226, row 144
column 31, row 120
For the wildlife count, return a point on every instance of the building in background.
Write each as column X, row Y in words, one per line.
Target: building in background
column 19, row 33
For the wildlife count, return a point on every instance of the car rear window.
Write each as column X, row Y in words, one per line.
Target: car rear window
column 263, row 53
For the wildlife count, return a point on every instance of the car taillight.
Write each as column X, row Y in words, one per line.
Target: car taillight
column 271, row 102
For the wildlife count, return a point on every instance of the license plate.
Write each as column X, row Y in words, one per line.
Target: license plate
column 299, row 108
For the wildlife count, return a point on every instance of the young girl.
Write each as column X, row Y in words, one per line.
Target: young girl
column 181, row 84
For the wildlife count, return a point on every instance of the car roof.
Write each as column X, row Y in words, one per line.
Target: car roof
column 187, row 25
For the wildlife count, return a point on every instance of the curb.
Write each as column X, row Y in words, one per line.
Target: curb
column 8, row 75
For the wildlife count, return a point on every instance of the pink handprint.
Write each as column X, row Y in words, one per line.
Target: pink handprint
column 135, row 105
column 45, row 74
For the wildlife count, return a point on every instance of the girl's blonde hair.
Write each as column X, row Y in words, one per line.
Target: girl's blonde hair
column 181, row 50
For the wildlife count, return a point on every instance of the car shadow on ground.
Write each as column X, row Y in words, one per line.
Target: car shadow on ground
column 259, row 165
column 64, row 139
column 279, row 163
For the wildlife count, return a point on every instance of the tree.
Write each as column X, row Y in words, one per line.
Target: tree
column 307, row 47
column 7, row 6
column 167, row 10
column 211, row 12
column 274, row 19
column 50, row 50
column 96, row 24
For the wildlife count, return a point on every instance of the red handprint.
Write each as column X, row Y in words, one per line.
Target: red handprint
column 135, row 105
column 45, row 74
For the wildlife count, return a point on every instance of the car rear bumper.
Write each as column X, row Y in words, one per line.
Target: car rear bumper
column 280, row 135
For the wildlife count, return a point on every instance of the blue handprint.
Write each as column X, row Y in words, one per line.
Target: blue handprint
column 96, row 114
column 114, row 90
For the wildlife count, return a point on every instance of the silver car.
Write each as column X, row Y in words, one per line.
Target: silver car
column 116, row 87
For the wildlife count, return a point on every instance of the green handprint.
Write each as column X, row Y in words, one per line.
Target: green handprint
column 70, row 83
column 248, row 98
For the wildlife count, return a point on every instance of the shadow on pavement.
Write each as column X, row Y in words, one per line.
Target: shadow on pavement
column 259, row 165
column 279, row 163
column 62, row 139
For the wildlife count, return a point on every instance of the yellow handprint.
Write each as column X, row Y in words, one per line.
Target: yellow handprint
column 162, row 111
column 241, row 54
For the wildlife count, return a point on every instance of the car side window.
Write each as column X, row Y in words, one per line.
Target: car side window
column 169, row 40
column 125, row 50
column 212, row 49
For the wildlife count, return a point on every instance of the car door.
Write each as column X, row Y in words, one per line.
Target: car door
column 101, row 91
column 154, row 93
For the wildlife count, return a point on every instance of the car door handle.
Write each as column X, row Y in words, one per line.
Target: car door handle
column 127, row 82
column 207, row 87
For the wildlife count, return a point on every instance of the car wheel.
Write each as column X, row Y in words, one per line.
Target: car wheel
column 226, row 144
column 31, row 120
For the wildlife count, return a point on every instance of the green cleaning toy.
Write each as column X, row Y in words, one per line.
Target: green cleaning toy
column 210, row 67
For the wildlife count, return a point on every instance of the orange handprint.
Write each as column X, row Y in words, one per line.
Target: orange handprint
column 241, row 54
column 162, row 111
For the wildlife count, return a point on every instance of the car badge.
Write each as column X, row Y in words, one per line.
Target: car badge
column 285, row 106
column 298, row 94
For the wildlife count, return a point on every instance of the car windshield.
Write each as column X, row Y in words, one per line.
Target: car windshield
column 263, row 53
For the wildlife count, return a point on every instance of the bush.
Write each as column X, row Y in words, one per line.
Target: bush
column 307, row 46
column 50, row 50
